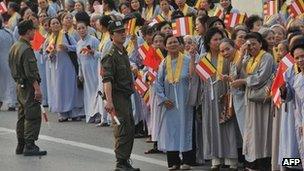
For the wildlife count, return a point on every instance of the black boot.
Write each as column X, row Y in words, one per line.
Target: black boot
column 20, row 146
column 32, row 150
column 124, row 165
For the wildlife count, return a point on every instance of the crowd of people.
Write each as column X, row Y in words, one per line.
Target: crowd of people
column 228, row 119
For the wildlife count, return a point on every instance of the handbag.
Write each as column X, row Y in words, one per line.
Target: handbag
column 74, row 60
column 260, row 94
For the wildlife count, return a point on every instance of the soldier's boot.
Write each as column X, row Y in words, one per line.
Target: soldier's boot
column 32, row 150
column 124, row 165
column 20, row 146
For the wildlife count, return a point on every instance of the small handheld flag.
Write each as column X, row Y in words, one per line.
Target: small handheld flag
column 205, row 69
column 156, row 20
column 3, row 8
column 183, row 26
column 296, row 8
column 131, row 26
column 140, row 86
column 143, row 50
column 234, row 19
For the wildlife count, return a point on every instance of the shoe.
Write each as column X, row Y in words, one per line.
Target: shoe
column 174, row 167
column 185, row 167
column 153, row 151
column 32, row 150
column 63, row 119
column 139, row 135
column 76, row 119
column 11, row 109
column 46, row 106
column 215, row 168
column 20, row 146
column 124, row 165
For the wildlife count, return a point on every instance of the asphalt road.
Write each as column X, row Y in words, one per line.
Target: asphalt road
column 71, row 146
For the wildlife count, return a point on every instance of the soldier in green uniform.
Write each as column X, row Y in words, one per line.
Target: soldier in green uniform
column 118, row 88
column 24, row 70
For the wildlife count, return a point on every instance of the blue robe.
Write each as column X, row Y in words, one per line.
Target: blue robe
column 7, row 86
column 42, row 72
column 64, row 96
column 175, row 132
column 288, row 146
column 89, row 72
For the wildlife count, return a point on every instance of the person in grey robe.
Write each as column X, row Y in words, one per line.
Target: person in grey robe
column 219, row 138
column 88, row 62
column 258, row 117
column 8, row 86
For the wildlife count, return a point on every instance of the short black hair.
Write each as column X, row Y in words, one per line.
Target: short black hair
column 297, row 43
column 259, row 38
column 251, row 20
column 105, row 20
column 147, row 30
column 162, row 24
column 169, row 36
column 209, row 34
column 83, row 17
column 110, row 3
column 14, row 6
column 25, row 26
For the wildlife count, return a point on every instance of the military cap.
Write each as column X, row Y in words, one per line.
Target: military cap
column 116, row 26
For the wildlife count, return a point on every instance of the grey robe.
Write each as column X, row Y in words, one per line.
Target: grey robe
column 258, row 117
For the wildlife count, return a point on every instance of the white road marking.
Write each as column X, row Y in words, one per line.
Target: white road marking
column 91, row 147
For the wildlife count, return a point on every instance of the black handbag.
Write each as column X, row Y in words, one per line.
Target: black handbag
column 74, row 60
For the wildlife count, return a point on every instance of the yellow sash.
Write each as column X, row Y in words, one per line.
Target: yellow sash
column 275, row 54
column 254, row 62
column 174, row 78
column 219, row 65
column 237, row 57
column 104, row 38
column 149, row 13
column 12, row 19
column 296, row 68
column 185, row 10
column 59, row 38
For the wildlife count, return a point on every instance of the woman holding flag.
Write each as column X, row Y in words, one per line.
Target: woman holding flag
column 154, row 58
column 63, row 74
column 176, row 116
column 88, row 62
column 258, row 117
column 151, row 10
column 219, row 135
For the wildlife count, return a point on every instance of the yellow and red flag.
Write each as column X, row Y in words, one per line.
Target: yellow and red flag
column 140, row 86
column 131, row 26
column 270, row 7
column 151, row 75
column 146, row 98
column 205, row 69
column 296, row 8
column 143, row 50
column 156, row 20
column 286, row 62
column 234, row 19
column 183, row 26
column 218, row 13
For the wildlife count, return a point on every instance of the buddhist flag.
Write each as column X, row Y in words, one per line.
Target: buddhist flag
column 278, row 81
column 183, row 26
column 153, row 58
column 140, row 86
column 151, row 75
column 218, row 13
column 296, row 8
column 270, row 7
column 131, row 26
column 156, row 20
column 143, row 50
column 3, row 8
column 205, row 69
column 234, row 19
column 37, row 41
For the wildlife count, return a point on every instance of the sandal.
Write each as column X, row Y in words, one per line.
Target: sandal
column 153, row 151
column 63, row 119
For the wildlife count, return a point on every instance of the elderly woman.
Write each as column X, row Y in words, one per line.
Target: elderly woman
column 219, row 135
column 172, row 86
column 258, row 118
column 254, row 23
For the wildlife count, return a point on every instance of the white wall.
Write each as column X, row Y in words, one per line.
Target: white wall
column 249, row 6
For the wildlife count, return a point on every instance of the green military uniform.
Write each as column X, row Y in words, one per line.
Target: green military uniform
column 24, row 70
column 116, row 69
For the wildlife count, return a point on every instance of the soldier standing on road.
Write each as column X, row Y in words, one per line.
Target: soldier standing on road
column 118, row 87
column 24, row 70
